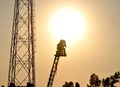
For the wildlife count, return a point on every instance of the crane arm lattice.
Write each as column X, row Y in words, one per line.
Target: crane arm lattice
column 53, row 71
column 60, row 52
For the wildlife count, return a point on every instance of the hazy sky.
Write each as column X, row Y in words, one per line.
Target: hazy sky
column 98, row 52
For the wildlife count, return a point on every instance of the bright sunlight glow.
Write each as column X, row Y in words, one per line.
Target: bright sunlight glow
column 68, row 24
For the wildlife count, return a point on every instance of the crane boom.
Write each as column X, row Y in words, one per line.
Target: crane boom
column 60, row 52
column 53, row 71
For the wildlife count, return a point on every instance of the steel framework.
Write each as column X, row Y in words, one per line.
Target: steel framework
column 60, row 52
column 22, row 52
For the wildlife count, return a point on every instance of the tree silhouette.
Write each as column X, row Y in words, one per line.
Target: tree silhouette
column 106, row 82
column 68, row 84
column 94, row 81
column 77, row 84
column 71, row 84
column 2, row 86
column 110, row 81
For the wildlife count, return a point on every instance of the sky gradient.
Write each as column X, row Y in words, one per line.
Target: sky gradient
column 98, row 51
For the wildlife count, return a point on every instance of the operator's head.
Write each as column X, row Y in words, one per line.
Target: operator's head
column 63, row 42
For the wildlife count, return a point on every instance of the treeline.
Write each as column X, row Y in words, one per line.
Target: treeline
column 105, row 82
column 95, row 81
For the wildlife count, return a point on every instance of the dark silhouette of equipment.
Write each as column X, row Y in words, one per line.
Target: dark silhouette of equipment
column 60, row 52
column 22, row 53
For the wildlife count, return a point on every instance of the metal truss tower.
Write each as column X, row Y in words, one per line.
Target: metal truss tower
column 22, row 53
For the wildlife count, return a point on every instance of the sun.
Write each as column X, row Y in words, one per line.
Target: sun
column 68, row 24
